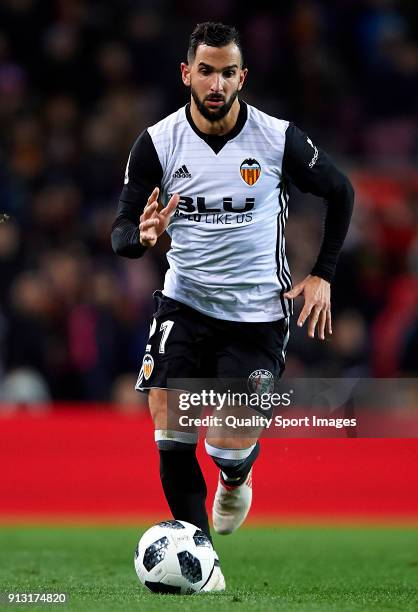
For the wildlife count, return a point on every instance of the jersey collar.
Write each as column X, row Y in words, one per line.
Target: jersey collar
column 216, row 142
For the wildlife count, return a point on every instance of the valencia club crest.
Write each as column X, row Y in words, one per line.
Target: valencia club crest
column 147, row 365
column 250, row 171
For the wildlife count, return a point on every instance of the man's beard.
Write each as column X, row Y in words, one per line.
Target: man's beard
column 215, row 115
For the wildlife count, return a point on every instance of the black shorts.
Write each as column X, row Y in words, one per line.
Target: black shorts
column 186, row 344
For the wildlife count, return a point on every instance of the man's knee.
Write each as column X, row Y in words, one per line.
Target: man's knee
column 166, row 414
column 158, row 402
column 232, row 442
column 235, row 463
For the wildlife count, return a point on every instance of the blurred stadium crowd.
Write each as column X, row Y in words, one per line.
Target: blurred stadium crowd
column 80, row 79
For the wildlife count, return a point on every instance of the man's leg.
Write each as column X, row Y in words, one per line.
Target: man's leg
column 254, row 354
column 235, row 458
column 177, row 339
column 181, row 477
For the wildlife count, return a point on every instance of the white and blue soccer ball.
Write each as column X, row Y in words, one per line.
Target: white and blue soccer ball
column 174, row 557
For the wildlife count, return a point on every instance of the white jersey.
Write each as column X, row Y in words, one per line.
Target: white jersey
column 227, row 257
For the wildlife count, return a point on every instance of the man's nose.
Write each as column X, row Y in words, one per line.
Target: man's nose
column 217, row 83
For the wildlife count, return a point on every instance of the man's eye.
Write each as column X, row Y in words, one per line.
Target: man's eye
column 228, row 74
column 204, row 71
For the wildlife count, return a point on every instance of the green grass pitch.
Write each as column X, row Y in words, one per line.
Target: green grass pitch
column 266, row 568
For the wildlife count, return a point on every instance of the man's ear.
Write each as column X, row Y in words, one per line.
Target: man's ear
column 242, row 78
column 185, row 73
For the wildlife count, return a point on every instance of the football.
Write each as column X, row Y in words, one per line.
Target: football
column 174, row 557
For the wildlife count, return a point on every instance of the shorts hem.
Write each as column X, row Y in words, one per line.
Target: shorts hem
column 143, row 389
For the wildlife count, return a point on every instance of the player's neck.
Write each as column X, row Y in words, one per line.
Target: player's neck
column 217, row 128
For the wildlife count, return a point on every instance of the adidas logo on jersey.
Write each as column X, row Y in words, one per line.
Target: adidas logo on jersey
column 182, row 173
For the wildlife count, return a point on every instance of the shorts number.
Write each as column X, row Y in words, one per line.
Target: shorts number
column 166, row 328
column 152, row 328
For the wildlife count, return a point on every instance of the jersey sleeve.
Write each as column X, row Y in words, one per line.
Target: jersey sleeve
column 143, row 173
column 313, row 171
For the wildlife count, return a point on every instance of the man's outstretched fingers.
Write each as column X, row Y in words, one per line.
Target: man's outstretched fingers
column 306, row 311
column 154, row 195
column 171, row 206
column 149, row 210
column 322, row 323
column 329, row 321
column 313, row 321
column 297, row 290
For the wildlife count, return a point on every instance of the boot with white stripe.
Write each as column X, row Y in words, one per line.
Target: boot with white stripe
column 231, row 505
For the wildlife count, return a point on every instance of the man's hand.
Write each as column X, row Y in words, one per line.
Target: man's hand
column 317, row 294
column 153, row 223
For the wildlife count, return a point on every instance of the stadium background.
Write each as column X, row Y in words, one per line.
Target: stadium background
column 78, row 81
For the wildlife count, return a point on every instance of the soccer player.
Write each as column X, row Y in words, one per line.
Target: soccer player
column 215, row 175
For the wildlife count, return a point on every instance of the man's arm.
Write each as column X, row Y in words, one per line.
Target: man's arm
column 143, row 173
column 312, row 170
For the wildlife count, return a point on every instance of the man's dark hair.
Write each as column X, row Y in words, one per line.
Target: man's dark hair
column 214, row 35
